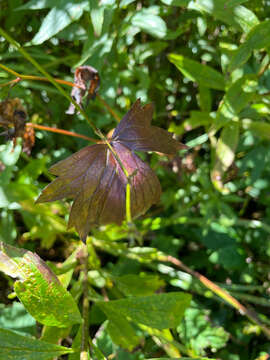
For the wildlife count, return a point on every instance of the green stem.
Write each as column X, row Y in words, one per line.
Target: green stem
column 85, row 306
column 77, row 107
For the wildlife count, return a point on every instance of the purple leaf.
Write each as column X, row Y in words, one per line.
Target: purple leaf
column 96, row 181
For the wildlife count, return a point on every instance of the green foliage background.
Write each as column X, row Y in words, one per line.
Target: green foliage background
column 205, row 66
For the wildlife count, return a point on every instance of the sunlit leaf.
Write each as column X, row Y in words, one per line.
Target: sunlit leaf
column 96, row 181
column 161, row 311
column 203, row 74
column 17, row 347
column 38, row 288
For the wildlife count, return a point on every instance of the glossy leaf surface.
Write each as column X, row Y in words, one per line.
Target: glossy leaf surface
column 17, row 347
column 38, row 288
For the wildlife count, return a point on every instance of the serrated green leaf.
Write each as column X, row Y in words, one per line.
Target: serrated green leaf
column 38, row 288
column 237, row 16
column 198, row 332
column 17, row 347
column 150, row 23
column 195, row 71
column 161, row 311
column 257, row 38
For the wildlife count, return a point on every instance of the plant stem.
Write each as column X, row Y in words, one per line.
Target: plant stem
column 46, row 74
column 70, row 99
column 85, row 306
column 20, row 77
column 61, row 131
column 220, row 292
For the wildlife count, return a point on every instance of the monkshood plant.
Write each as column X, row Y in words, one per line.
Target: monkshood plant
column 84, row 307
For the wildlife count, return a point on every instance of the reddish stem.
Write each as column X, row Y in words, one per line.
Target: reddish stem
column 61, row 131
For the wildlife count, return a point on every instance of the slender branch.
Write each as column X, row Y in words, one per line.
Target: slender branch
column 85, row 306
column 48, row 76
column 220, row 292
column 61, row 131
column 77, row 107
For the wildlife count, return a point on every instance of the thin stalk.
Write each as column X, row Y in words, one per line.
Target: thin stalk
column 77, row 107
column 85, row 307
column 61, row 131
column 46, row 74
column 220, row 292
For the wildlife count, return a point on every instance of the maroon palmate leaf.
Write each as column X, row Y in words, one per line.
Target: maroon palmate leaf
column 96, row 181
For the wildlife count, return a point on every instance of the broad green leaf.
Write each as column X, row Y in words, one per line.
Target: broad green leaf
column 53, row 334
column 38, row 288
column 257, row 38
column 205, row 99
column 58, row 18
column 17, row 347
column 225, row 153
column 97, row 16
column 15, row 317
column 237, row 97
column 182, row 358
column 195, row 71
column 137, row 285
column 237, row 16
column 150, row 23
column 160, row 311
column 259, row 128
column 122, row 332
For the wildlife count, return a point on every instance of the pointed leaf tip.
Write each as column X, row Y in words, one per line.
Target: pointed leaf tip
column 96, row 181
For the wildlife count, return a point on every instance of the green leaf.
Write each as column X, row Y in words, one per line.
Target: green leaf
column 137, row 285
column 17, row 347
column 97, row 16
column 257, row 38
column 122, row 332
column 237, row 16
column 237, row 97
column 15, row 317
column 259, row 128
column 200, row 73
column 38, row 288
column 197, row 332
column 160, row 311
column 205, row 99
column 225, row 153
column 38, row 5
column 150, row 23
column 58, row 18
column 176, row 2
